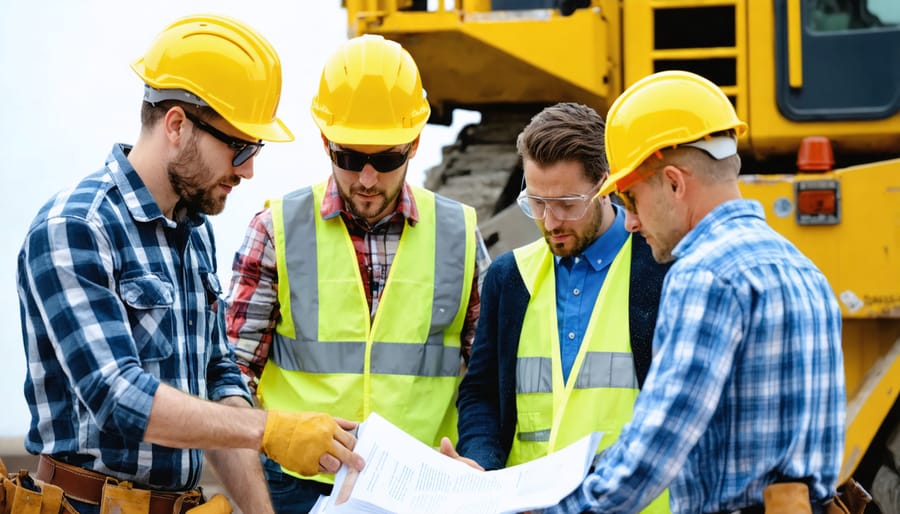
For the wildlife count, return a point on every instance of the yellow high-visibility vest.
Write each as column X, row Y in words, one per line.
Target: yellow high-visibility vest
column 328, row 354
column 602, row 387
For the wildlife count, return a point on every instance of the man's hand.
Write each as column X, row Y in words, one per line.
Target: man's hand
column 328, row 463
column 448, row 450
column 309, row 442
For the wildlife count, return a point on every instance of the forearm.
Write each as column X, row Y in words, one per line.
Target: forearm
column 479, row 435
column 178, row 420
column 480, row 425
column 241, row 473
column 252, row 306
column 479, row 422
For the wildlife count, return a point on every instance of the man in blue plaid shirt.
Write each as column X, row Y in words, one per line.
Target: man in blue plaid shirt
column 129, row 372
column 746, row 388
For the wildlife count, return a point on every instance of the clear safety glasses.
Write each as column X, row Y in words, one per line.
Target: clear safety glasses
column 564, row 208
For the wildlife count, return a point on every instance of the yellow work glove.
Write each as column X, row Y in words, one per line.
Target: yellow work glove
column 297, row 440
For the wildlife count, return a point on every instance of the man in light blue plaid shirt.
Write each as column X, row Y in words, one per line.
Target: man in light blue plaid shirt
column 746, row 388
column 121, row 319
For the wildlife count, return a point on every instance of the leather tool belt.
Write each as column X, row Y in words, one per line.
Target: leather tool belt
column 88, row 486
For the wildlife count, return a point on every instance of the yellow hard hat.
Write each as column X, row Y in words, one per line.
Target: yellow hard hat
column 663, row 110
column 370, row 93
column 224, row 63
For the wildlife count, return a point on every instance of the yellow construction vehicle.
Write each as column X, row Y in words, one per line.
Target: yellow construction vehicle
column 793, row 68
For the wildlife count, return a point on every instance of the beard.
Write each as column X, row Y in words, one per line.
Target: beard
column 661, row 245
column 583, row 238
column 374, row 207
column 667, row 230
column 192, row 181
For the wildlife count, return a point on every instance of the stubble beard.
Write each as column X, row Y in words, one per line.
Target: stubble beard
column 582, row 240
column 371, row 208
column 187, row 174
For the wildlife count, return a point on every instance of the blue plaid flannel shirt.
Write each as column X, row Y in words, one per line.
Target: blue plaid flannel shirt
column 747, row 381
column 115, row 298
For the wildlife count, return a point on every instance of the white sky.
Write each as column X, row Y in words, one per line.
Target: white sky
column 68, row 94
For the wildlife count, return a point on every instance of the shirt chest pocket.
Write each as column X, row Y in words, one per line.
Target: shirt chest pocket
column 150, row 301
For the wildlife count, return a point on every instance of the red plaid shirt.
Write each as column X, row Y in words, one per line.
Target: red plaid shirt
column 253, row 307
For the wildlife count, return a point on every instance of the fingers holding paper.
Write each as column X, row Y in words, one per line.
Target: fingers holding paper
column 310, row 442
column 343, row 444
column 448, row 449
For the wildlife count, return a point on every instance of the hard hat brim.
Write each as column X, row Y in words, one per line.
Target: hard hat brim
column 611, row 184
column 275, row 131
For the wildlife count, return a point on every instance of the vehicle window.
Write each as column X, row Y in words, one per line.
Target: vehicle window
column 838, row 15
column 888, row 11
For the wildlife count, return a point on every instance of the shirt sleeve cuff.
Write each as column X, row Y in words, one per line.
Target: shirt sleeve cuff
column 225, row 391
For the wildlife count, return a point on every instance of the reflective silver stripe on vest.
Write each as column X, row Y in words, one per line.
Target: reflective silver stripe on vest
column 307, row 353
column 534, row 375
column 422, row 360
column 534, row 437
column 299, row 217
column 599, row 369
column 449, row 264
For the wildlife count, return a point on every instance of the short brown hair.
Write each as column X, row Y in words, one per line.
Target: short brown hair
column 566, row 132
column 151, row 113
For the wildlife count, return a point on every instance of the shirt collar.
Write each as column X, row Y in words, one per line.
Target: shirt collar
column 721, row 214
column 604, row 249
column 138, row 199
column 333, row 204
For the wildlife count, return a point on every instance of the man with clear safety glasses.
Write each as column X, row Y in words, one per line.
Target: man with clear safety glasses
column 359, row 294
column 563, row 342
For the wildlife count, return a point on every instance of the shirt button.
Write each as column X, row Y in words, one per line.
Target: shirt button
column 576, row 291
column 571, row 335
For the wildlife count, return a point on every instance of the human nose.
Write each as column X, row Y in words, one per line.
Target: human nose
column 368, row 177
column 245, row 170
column 632, row 221
column 550, row 220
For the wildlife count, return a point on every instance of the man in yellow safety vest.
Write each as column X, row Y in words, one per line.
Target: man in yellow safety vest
column 359, row 294
column 564, row 339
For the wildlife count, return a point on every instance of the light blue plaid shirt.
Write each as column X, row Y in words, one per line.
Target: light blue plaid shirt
column 116, row 298
column 747, row 382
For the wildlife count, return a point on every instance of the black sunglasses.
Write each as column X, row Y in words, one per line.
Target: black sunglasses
column 243, row 150
column 383, row 162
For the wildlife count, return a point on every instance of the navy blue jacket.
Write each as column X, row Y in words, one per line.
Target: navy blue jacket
column 487, row 395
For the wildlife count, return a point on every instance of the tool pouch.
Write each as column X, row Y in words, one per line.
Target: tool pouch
column 122, row 498
column 851, row 498
column 218, row 504
column 22, row 494
column 787, row 498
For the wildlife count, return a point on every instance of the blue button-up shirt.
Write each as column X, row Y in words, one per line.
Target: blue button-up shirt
column 578, row 282
column 746, row 385
column 115, row 299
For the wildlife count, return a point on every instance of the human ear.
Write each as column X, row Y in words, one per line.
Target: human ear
column 675, row 178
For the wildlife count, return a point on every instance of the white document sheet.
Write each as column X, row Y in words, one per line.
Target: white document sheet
column 403, row 475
